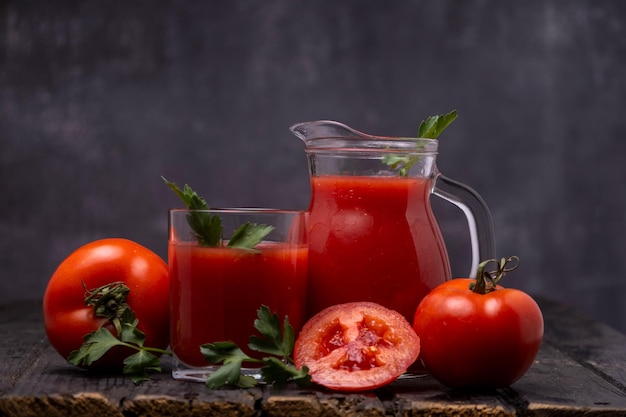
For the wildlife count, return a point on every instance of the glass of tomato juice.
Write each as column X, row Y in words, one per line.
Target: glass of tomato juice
column 216, row 289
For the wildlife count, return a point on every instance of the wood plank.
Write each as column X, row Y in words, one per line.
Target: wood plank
column 595, row 345
column 300, row 403
column 52, row 387
column 164, row 396
column 556, row 385
column 22, row 340
column 426, row 397
column 578, row 372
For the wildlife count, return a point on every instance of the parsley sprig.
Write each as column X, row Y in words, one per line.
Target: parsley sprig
column 277, row 369
column 430, row 128
column 208, row 228
column 109, row 301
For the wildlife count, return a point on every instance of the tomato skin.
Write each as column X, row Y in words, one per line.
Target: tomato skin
column 66, row 317
column 356, row 346
column 471, row 340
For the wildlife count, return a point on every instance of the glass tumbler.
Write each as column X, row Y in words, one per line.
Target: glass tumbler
column 217, row 289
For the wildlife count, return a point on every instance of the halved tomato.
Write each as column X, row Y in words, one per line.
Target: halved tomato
column 356, row 346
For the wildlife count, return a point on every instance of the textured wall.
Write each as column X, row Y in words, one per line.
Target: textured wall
column 100, row 98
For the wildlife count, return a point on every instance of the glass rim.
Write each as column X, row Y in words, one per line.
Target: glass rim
column 380, row 145
column 330, row 133
column 238, row 210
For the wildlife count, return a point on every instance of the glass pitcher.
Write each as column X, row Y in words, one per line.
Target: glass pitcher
column 372, row 232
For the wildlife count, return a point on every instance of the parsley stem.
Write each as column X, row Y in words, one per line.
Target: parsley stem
column 156, row 350
column 139, row 348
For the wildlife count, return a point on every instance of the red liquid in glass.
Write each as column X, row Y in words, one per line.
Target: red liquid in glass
column 373, row 239
column 216, row 293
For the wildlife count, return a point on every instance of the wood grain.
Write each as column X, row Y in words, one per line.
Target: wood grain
column 579, row 372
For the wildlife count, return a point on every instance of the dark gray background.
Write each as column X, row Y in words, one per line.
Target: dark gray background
column 98, row 99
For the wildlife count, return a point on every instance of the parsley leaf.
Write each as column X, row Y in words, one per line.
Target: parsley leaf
column 401, row 163
column 128, row 331
column 191, row 199
column 278, row 373
column 430, row 128
column 273, row 342
column 95, row 345
column 278, row 369
column 230, row 374
column 208, row 228
column 433, row 126
column 100, row 341
column 249, row 235
column 138, row 365
column 232, row 358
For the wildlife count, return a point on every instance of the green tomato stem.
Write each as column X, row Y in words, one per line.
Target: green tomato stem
column 108, row 301
column 487, row 281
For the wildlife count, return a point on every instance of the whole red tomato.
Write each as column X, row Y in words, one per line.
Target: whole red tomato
column 68, row 319
column 356, row 346
column 485, row 337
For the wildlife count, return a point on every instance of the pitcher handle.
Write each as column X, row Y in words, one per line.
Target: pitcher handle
column 478, row 218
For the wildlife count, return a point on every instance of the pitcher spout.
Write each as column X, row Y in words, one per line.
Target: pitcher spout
column 329, row 134
column 325, row 129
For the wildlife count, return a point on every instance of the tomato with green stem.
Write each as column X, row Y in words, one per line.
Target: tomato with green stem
column 113, row 284
column 476, row 333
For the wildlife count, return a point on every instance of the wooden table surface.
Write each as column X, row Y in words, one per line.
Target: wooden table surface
column 580, row 371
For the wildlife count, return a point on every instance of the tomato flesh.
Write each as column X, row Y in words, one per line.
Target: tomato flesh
column 361, row 354
column 332, row 339
column 356, row 346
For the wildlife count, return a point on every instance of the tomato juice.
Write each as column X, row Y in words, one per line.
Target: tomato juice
column 373, row 239
column 216, row 292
